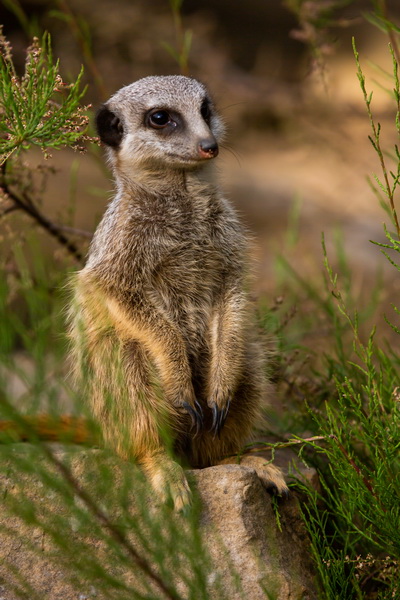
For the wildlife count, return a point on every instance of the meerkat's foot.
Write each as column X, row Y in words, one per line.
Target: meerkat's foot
column 270, row 476
column 272, row 479
column 169, row 481
column 181, row 495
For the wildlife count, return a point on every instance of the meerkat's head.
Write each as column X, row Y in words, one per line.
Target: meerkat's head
column 165, row 122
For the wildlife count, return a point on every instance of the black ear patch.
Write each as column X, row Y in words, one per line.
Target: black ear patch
column 109, row 127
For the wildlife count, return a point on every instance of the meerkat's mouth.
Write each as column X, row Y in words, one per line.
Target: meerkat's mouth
column 189, row 160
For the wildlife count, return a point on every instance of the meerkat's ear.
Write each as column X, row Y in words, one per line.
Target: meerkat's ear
column 109, row 127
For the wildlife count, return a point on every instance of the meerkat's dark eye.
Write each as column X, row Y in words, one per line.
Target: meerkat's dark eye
column 205, row 110
column 159, row 119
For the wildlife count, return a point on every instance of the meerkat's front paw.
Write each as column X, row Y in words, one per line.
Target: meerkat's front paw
column 183, row 399
column 219, row 414
column 196, row 414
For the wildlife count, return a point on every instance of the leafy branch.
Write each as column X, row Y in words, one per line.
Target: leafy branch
column 37, row 109
column 316, row 19
column 386, row 187
column 114, row 530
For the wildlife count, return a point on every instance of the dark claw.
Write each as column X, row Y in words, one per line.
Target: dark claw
column 195, row 415
column 215, row 413
column 219, row 418
column 199, row 408
column 274, row 491
column 224, row 415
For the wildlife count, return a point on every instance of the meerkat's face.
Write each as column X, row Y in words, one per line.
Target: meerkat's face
column 160, row 122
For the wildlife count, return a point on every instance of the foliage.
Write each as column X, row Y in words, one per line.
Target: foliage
column 354, row 523
column 29, row 111
column 180, row 53
column 316, row 19
column 353, row 412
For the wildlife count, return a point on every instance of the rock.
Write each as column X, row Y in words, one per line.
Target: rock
column 237, row 520
column 239, row 510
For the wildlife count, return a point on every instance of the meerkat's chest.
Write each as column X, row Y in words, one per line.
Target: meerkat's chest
column 191, row 267
column 190, row 258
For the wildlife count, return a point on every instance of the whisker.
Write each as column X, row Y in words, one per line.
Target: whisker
column 233, row 152
column 221, row 109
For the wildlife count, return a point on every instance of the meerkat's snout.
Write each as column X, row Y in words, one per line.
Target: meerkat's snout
column 208, row 148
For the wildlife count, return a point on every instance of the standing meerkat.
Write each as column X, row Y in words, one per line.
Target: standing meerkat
column 161, row 319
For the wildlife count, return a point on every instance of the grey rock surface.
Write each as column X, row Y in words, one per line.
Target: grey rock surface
column 237, row 520
column 268, row 557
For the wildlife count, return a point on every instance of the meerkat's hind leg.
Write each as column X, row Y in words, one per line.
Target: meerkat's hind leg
column 167, row 478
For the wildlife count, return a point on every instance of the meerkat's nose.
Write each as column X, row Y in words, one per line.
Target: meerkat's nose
column 208, row 148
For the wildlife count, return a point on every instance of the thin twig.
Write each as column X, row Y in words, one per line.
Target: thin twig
column 277, row 445
column 33, row 211
column 390, row 32
column 8, row 210
column 375, row 140
column 84, row 46
column 75, row 231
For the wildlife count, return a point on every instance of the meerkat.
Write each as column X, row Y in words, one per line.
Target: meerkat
column 161, row 319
